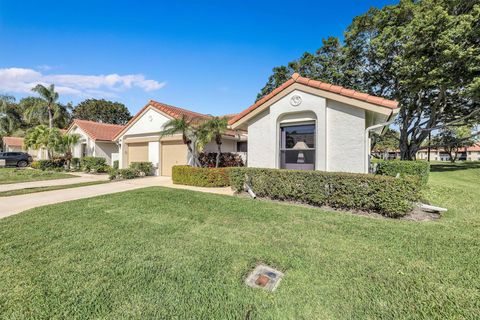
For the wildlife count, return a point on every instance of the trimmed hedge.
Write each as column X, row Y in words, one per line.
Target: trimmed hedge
column 419, row 169
column 145, row 168
column 201, row 177
column 55, row 164
column 94, row 164
column 385, row 195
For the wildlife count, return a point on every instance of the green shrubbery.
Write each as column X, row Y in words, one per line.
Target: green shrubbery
column 386, row 195
column 115, row 164
column 127, row 173
column 145, row 168
column 75, row 164
column 94, row 164
column 419, row 169
column 201, row 177
column 53, row 165
column 136, row 169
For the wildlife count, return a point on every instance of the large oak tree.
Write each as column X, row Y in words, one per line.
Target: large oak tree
column 102, row 111
column 424, row 54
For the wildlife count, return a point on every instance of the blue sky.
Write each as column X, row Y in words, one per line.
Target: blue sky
column 208, row 56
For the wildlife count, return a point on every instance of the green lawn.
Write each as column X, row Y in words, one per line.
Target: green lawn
column 13, row 175
column 49, row 188
column 165, row 253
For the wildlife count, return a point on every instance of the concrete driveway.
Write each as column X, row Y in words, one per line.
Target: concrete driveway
column 16, row 204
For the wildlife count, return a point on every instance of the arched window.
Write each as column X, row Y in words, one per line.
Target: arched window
column 297, row 145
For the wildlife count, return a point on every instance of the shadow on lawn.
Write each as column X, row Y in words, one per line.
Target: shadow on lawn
column 440, row 167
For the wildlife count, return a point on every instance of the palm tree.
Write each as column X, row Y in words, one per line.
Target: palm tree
column 187, row 127
column 213, row 129
column 10, row 120
column 43, row 137
column 65, row 146
column 50, row 97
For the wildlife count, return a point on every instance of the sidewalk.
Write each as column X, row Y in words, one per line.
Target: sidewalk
column 16, row 204
column 81, row 177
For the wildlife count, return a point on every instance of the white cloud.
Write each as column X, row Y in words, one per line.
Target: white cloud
column 22, row 80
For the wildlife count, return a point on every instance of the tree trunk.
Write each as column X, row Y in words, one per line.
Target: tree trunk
column 50, row 117
column 217, row 161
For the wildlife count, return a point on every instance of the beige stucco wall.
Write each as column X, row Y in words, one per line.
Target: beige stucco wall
column 103, row 149
column 340, row 133
column 345, row 138
column 227, row 146
column 84, row 138
column 147, row 126
column 263, row 130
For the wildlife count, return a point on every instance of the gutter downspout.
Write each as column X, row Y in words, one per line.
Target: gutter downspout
column 368, row 142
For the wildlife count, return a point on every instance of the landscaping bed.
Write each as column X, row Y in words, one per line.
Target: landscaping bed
column 166, row 253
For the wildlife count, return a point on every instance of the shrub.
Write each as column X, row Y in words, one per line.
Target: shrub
column 94, row 164
column 52, row 165
column 419, row 169
column 201, row 177
column 227, row 159
column 145, row 168
column 127, row 173
column 115, row 164
column 386, row 195
column 75, row 164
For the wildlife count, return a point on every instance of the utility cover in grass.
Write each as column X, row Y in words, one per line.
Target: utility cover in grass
column 264, row 277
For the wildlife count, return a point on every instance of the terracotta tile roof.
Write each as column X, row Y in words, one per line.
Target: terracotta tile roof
column 176, row 112
column 97, row 130
column 474, row 148
column 296, row 78
column 13, row 141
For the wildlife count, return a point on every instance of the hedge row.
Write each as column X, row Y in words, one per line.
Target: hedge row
column 386, row 195
column 201, row 177
column 419, row 169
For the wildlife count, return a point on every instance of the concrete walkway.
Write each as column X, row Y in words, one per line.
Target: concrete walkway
column 16, row 204
column 80, row 178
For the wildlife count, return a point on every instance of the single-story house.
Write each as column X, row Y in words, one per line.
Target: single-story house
column 310, row 125
column 12, row 144
column 140, row 139
column 471, row 153
column 96, row 139
column 15, row 144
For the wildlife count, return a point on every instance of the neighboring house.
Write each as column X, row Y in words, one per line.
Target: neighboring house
column 15, row 144
column 309, row 125
column 96, row 139
column 12, row 144
column 467, row 153
column 140, row 139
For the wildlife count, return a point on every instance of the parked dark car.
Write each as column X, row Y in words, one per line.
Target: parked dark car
column 16, row 159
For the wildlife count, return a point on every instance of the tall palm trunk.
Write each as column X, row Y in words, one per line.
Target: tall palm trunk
column 50, row 117
column 218, row 140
